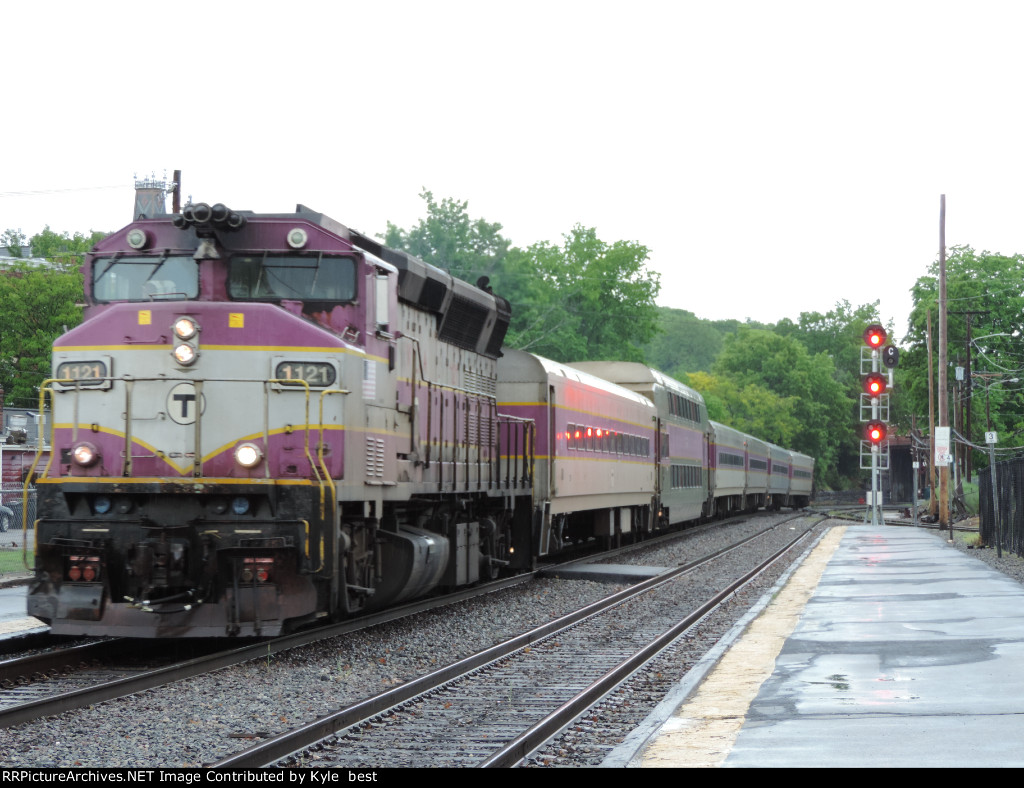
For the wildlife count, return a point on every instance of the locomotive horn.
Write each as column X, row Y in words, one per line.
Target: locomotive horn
column 219, row 213
column 235, row 221
column 187, row 214
column 201, row 213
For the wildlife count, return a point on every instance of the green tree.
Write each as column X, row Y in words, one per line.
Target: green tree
column 839, row 333
column 600, row 298
column 583, row 300
column 749, row 408
column 13, row 240
column 65, row 251
column 448, row 238
column 685, row 343
column 785, row 367
column 36, row 306
column 984, row 288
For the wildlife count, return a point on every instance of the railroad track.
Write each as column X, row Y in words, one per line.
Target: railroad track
column 492, row 709
column 30, row 689
column 66, row 678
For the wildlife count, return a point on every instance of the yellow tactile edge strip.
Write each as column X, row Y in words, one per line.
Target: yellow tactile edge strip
column 703, row 730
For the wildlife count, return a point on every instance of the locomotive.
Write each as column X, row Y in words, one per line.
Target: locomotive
column 269, row 420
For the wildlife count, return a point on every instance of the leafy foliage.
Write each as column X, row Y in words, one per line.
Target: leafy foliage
column 685, row 343
column 36, row 306
column 783, row 366
column 750, row 408
column 63, row 250
column 12, row 241
column 584, row 299
column 588, row 300
column 448, row 238
column 985, row 289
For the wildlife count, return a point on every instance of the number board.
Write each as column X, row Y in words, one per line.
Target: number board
column 316, row 374
column 86, row 372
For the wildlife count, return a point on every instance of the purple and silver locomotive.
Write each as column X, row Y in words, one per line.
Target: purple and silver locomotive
column 265, row 420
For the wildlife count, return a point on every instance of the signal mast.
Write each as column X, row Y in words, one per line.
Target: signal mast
column 874, row 410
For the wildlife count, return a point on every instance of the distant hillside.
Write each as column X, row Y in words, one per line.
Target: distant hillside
column 688, row 343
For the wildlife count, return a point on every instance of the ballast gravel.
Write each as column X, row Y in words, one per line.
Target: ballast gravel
column 203, row 719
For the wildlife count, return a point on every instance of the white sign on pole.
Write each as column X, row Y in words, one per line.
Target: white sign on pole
column 991, row 437
column 942, row 453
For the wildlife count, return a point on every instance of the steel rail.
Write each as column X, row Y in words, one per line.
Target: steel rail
column 147, row 679
column 276, row 748
column 518, row 749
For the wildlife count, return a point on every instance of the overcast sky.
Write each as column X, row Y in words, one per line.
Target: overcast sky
column 775, row 157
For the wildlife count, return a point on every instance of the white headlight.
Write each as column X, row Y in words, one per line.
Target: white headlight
column 248, row 455
column 185, row 354
column 85, row 454
column 185, row 328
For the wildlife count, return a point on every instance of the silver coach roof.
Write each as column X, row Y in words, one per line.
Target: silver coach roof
column 520, row 366
column 635, row 373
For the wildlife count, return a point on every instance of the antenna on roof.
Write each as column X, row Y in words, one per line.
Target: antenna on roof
column 149, row 195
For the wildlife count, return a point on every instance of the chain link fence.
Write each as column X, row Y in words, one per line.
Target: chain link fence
column 1009, row 492
column 16, row 545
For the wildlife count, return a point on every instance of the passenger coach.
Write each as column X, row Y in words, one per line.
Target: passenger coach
column 682, row 436
column 594, row 471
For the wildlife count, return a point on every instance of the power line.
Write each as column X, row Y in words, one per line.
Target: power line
column 32, row 192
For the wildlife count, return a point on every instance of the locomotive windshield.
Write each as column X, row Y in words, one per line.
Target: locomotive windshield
column 126, row 278
column 301, row 277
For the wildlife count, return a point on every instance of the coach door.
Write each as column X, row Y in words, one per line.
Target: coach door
column 552, row 447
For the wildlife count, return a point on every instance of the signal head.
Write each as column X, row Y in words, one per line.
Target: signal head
column 875, row 384
column 874, row 336
column 891, row 356
column 876, row 432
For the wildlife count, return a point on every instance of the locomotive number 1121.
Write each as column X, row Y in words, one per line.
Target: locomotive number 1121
column 316, row 374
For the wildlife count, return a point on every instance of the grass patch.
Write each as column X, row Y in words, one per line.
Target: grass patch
column 12, row 561
column 971, row 497
column 969, row 539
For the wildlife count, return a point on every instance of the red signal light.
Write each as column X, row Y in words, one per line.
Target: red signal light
column 876, row 432
column 875, row 384
column 874, row 336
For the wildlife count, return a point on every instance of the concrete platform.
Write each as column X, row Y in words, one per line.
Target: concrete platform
column 13, row 621
column 605, row 573
column 885, row 647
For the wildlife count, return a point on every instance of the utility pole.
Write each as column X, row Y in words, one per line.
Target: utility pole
column 933, row 497
column 944, row 519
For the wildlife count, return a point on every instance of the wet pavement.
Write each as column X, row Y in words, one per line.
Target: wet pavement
column 886, row 647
